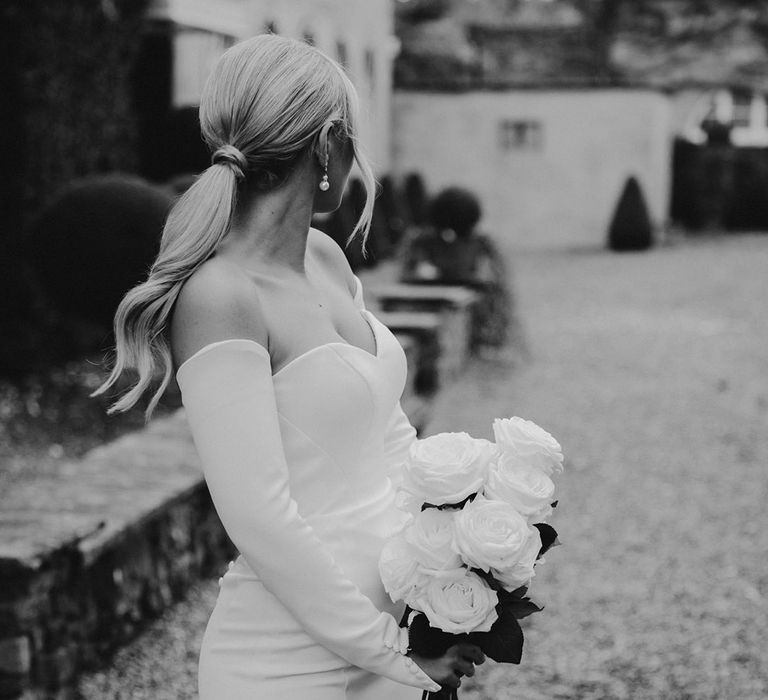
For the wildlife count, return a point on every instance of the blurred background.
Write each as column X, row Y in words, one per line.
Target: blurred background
column 594, row 171
column 550, row 111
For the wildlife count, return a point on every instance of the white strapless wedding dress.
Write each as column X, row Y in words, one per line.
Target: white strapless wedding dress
column 302, row 468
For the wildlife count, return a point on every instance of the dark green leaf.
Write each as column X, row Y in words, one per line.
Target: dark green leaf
column 516, row 603
column 548, row 537
column 522, row 608
column 429, row 641
column 504, row 643
column 487, row 576
column 517, row 593
column 451, row 506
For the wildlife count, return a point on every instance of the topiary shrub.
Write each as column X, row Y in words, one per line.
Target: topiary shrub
column 67, row 84
column 95, row 241
column 455, row 208
column 631, row 227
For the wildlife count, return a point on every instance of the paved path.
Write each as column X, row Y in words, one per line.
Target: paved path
column 652, row 370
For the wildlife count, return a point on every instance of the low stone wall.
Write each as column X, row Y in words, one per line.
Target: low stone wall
column 89, row 554
column 87, row 557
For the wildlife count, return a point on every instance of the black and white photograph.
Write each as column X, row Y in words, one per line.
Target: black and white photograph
column 384, row 350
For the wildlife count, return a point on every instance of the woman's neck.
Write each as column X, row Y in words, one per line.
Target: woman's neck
column 271, row 227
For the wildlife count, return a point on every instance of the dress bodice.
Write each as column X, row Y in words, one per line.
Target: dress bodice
column 302, row 465
column 338, row 408
column 334, row 403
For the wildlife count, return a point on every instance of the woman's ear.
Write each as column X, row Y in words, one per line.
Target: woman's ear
column 322, row 149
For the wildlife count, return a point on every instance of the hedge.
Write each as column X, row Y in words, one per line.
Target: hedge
column 720, row 186
column 67, row 85
column 68, row 69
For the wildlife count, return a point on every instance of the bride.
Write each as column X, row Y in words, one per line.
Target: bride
column 291, row 389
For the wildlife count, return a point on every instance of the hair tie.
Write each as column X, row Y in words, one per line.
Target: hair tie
column 232, row 157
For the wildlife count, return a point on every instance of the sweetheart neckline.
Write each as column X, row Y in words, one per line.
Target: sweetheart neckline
column 375, row 355
column 365, row 313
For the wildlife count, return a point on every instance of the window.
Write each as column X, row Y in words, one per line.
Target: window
column 742, row 108
column 520, row 135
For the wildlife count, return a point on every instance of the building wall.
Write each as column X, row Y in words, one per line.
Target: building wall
column 689, row 107
column 365, row 30
column 549, row 165
column 359, row 34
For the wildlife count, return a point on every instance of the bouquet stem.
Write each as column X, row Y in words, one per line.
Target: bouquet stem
column 444, row 694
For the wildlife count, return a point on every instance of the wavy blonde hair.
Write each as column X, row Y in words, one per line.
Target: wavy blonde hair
column 269, row 98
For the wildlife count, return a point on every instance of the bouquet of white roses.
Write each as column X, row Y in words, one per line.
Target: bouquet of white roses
column 464, row 560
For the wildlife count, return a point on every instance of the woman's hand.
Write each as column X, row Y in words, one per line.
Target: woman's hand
column 447, row 670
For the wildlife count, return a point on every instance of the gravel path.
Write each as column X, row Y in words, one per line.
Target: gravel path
column 652, row 370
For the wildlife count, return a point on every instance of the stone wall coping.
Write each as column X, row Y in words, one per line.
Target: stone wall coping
column 93, row 551
column 109, row 492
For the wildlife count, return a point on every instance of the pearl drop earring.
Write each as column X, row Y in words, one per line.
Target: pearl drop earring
column 324, row 184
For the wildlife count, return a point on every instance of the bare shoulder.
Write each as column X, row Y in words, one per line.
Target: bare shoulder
column 327, row 251
column 218, row 302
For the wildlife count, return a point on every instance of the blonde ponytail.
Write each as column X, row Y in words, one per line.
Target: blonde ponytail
column 194, row 228
column 262, row 108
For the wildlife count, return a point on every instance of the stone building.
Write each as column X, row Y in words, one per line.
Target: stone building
column 540, row 107
column 533, row 121
column 546, row 109
column 192, row 34
column 548, row 163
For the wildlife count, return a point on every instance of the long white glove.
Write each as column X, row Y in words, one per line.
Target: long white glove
column 230, row 403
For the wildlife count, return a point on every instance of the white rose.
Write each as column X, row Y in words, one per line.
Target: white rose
column 399, row 570
column 526, row 488
column 447, row 467
column 532, row 444
column 520, row 573
column 493, row 535
column 459, row 605
column 431, row 539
